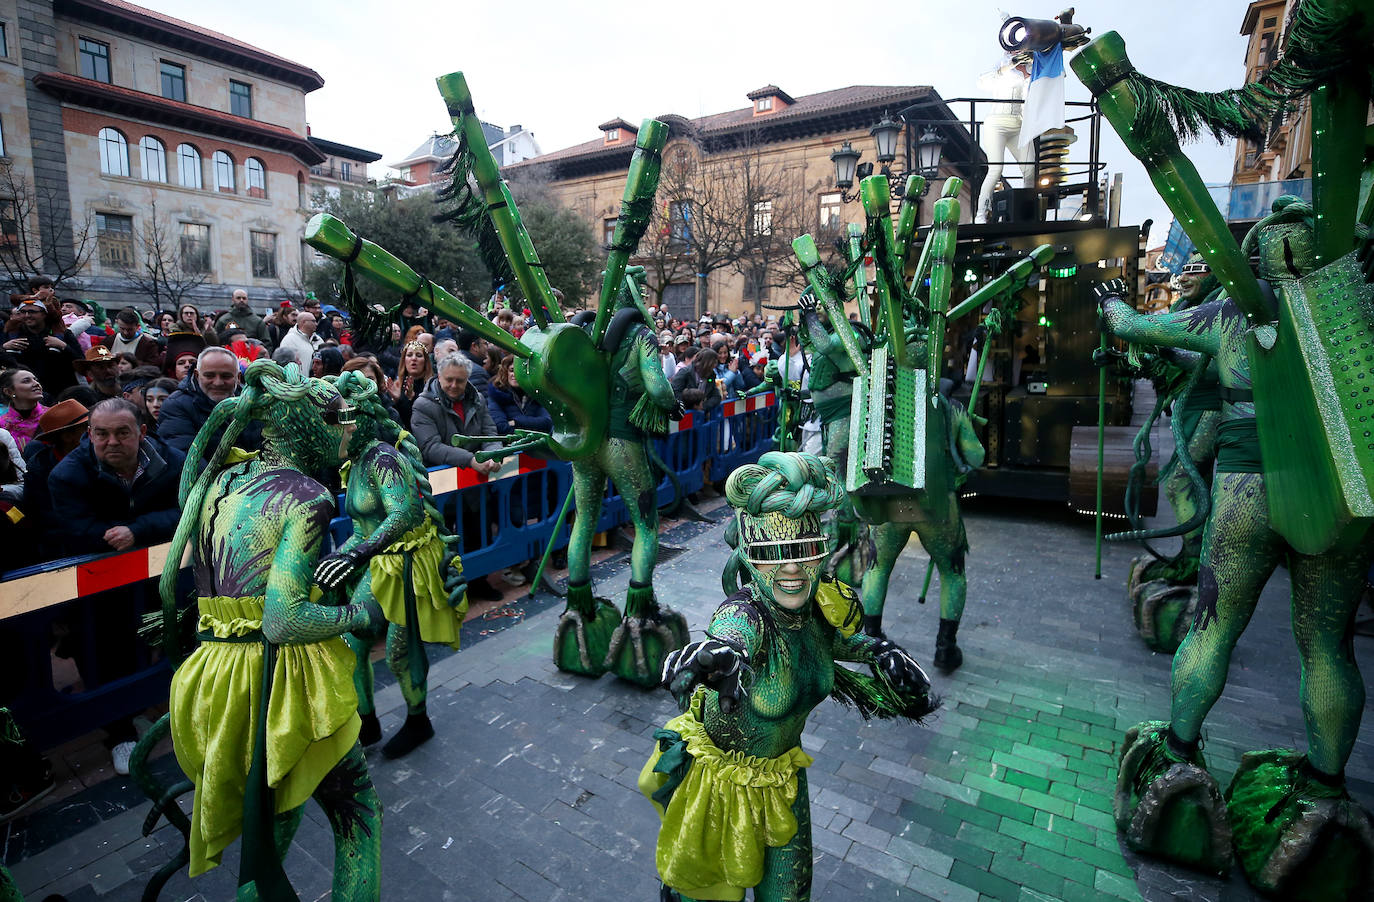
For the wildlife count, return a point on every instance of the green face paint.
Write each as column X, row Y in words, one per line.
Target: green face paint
column 784, row 556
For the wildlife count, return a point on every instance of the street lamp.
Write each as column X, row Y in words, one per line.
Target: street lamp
column 929, row 147
column 885, row 134
column 845, row 160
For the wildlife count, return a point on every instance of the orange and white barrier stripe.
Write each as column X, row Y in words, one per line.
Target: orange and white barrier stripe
column 729, row 408
column 41, row 590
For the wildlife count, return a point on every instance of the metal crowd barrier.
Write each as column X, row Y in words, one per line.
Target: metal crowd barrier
column 88, row 608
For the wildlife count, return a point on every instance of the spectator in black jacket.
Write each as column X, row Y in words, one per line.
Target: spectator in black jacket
column 118, row 489
column 215, row 378
column 38, row 342
column 510, row 407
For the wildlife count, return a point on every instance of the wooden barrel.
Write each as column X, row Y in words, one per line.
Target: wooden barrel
column 1118, row 457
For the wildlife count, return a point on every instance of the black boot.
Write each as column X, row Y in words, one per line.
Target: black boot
column 371, row 731
column 948, row 657
column 873, row 626
column 414, row 731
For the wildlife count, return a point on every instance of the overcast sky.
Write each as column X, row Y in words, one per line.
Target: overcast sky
column 561, row 68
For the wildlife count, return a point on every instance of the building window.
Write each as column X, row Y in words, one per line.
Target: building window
column 4, row 41
column 608, row 231
column 612, row 135
column 832, row 206
column 241, row 99
column 763, row 104
column 2, row 137
column 1271, row 22
column 153, row 157
column 94, row 59
column 680, row 223
column 756, row 284
column 114, row 153
column 9, row 224
column 195, row 247
column 257, row 177
column 173, row 81
column 345, row 171
column 188, row 166
column 763, row 218
column 264, row 247
column 224, row 171
column 115, row 236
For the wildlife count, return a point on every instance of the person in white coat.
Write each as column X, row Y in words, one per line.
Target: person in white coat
column 302, row 341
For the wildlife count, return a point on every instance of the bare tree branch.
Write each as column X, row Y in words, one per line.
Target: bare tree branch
column 35, row 219
column 157, row 269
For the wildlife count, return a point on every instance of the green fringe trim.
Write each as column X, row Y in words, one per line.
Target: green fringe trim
column 1322, row 47
column 875, row 696
column 648, row 416
column 465, row 207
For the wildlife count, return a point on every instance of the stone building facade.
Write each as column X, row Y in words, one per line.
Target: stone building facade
column 139, row 120
column 790, row 140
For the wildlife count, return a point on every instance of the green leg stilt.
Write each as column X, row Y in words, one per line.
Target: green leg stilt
column 649, row 631
column 947, row 545
column 889, row 540
column 584, row 631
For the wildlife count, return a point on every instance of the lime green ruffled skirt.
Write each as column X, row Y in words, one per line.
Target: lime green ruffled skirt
column 312, row 720
column 728, row 809
column 439, row 621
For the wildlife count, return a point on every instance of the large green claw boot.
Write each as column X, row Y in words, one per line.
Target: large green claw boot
column 1163, row 613
column 1298, row 834
column 584, row 632
column 644, row 638
column 1168, row 805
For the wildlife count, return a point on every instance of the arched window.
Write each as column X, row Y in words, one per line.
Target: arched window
column 153, row 159
column 114, row 153
column 224, row 172
column 257, row 177
column 188, row 166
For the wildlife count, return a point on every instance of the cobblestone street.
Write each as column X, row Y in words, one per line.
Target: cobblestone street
column 528, row 790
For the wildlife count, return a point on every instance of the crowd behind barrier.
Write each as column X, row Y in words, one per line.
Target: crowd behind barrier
column 55, row 600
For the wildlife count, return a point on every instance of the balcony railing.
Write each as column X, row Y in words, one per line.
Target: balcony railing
column 354, row 176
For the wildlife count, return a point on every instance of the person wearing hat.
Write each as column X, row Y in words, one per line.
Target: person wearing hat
column 179, row 359
column 129, row 338
column 101, row 368
column 666, row 355
column 79, row 317
column 40, row 343
column 60, row 430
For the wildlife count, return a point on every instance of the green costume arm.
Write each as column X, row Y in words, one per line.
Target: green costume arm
column 288, row 614
column 858, row 648
column 656, row 385
column 1191, row 330
column 739, row 623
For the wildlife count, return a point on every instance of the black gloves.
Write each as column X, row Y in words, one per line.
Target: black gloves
column 333, row 570
column 714, row 662
column 900, row 668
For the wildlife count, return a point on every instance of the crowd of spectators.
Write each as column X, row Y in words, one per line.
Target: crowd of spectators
column 98, row 409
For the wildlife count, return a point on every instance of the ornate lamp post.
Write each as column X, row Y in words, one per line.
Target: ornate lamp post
column 885, row 135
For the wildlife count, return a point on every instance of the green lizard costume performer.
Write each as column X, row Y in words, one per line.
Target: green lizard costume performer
column 591, row 637
column 402, row 548
column 1294, row 455
column 263, row 712
column 1162, row 588
column 593, row 376
column 729, row 776
column 832, row 390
